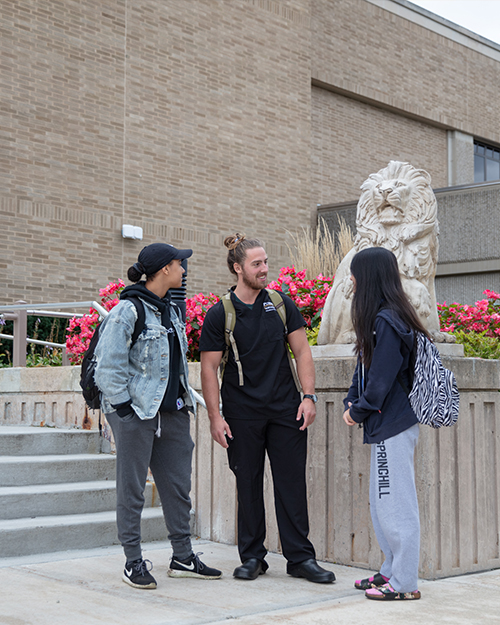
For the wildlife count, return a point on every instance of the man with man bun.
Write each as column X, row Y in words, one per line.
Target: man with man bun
column 262, row 410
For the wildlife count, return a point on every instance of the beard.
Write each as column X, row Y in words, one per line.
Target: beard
column 253, row 283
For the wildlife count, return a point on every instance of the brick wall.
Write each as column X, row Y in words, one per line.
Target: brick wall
column 190, row 120
column 469, row 223
column 352, row 139
column 374, row 53
column 61, row 163
column 196, row 119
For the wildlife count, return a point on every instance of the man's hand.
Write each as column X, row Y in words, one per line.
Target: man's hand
column 347, row 416
column 219, row 429
column 307, row 409
column 305, row 369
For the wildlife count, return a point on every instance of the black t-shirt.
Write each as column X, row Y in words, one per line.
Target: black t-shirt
column 269, row 390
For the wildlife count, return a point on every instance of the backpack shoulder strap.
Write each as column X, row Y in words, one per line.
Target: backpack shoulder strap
column 175, row 307
column 411, row 365
column 279, row 304
column 229, row 323
column 229, row 316
column 141, row 318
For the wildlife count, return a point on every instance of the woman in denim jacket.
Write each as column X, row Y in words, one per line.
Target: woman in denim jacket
column 146, row 397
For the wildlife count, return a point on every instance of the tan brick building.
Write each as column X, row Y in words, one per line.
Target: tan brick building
column 195, row 119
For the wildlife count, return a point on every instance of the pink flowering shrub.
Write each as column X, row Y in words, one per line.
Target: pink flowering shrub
column 483, row 317
column 81, row 329
column 308, row 295
column 110, row 295
column 196, row 309
column 477, row 327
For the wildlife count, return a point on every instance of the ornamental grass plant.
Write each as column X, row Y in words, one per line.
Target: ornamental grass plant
column 318, row 250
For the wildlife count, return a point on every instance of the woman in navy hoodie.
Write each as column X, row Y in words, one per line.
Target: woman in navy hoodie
column 385, row 322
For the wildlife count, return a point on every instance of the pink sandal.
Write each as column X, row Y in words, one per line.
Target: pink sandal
column 377, row 580
column 387, row 593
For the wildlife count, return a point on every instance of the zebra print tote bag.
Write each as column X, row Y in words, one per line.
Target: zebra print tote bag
column 434, row 394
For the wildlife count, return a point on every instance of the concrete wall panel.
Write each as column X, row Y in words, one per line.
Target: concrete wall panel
column 457, row 471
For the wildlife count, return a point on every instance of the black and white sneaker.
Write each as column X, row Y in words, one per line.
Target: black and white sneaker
column 192, row 567
column 137, row 574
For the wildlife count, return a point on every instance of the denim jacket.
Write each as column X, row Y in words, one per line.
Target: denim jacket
column 140, row 372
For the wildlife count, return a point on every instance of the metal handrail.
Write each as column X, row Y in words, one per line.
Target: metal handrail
column 47, row 343
column 24, row 306
column 10, row 337
column 19, row 311
column 53, row 313
column 38, row 310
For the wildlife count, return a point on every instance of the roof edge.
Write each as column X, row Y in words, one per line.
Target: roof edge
column 440, row 25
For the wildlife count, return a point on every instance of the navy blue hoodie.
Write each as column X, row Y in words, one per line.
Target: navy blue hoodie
column 383, row 407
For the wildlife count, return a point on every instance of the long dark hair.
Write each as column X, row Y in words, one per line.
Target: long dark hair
column 378, row 285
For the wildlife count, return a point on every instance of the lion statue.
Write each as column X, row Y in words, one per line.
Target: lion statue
column 397, row 210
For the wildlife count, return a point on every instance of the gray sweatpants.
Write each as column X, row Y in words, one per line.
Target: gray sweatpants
column 394, row 508
column 169, row 458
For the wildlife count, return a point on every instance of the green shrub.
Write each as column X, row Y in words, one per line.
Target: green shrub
column 312, row 335
column 478, row 344
column 51, row 329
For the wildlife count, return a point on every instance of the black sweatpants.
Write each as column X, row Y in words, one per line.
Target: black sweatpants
column 286, row 447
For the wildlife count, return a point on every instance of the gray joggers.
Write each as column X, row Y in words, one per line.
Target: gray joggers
column 169, row 458
column 394, row 508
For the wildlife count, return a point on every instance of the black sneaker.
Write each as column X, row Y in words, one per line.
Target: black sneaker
column 192, row 567
column 137, row 574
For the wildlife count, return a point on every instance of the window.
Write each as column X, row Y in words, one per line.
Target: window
column 486, row 162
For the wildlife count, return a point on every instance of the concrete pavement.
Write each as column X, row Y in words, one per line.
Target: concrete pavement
column 85, row 588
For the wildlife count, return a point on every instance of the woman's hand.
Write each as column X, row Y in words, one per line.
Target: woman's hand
column 347, row 416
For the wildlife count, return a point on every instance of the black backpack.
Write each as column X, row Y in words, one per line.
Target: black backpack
column 90, row 390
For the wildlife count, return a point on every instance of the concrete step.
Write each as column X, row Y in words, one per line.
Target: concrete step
column 19, row 537
column 65, row 499
column 58, row 492
column 55, row 469
column 26, row 441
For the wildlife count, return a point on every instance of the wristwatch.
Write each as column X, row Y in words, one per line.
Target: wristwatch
column 313, row 397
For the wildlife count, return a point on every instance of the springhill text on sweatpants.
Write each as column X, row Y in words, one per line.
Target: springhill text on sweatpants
column 382, row 470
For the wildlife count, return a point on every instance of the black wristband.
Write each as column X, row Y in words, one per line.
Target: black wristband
column 313, row 398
